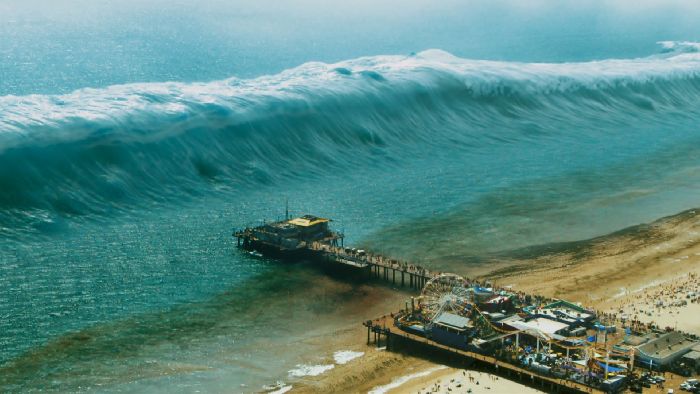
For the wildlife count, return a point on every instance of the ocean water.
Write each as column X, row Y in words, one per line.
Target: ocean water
column 134, row 137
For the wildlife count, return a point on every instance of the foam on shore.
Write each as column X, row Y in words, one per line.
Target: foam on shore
column 310, row 370
column 345, row 356
column 398, row 382
column 281, row 390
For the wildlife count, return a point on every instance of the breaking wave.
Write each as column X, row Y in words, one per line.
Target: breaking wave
column 98, row 150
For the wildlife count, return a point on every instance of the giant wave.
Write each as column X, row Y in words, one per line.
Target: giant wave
column 97, row 150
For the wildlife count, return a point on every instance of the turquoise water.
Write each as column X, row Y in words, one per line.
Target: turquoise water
column 134, row 137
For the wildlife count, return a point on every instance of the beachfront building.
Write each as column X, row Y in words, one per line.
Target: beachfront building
column 452, row 330
column 658, row 351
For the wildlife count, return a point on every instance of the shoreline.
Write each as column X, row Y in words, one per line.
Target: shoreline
column 594, row 272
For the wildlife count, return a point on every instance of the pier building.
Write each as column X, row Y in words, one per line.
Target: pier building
column 290, row 237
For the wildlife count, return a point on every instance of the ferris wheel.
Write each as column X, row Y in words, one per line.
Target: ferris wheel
column 445, row 293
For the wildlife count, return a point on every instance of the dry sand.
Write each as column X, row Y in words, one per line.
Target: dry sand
column 450, row 380
column 626, row 272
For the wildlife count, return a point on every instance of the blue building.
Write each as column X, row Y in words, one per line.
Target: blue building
column 452, row 330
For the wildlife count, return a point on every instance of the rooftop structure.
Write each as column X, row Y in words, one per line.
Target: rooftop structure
column 452, row 321
column 693, row 355
column 307, row 221
column 566, row 312
column 542, row 325
column 567, row 305
column 451, row 329
column 692, row 360
column 663, row 349
column 635, row 340
column 508, row 320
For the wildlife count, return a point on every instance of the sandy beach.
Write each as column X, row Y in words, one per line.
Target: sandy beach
column 382, row 372
column 648, row 271
column 450, row 380
column 674, row 303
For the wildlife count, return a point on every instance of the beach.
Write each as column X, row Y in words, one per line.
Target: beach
column 451, row 380
column 382, row 372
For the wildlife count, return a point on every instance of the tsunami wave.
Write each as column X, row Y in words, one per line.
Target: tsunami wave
column 97, row 150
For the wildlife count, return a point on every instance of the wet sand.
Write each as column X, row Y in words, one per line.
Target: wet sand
column 626, row 272
column 595, row 271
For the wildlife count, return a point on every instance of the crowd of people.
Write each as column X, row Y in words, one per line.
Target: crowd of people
column 655, row 304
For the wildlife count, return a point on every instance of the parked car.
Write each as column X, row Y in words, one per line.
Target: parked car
column 691, row 385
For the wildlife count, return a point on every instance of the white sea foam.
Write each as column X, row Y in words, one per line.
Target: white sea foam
column 278, row 388
column 398, row 382
column 648, row 285
column 345, row 356
column 281, row 390
column 622, row 292
column 309, row 370
column 680, row 46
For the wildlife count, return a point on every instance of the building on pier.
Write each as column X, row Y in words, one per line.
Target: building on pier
column 452, row 330
column 566, row 312
column 290, row 237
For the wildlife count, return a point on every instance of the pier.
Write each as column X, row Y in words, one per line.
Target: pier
column 377, row 266
column 309, row 237
column 384, row 331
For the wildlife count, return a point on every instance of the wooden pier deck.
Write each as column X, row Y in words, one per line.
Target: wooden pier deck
column 393, row 334
column 389, row 270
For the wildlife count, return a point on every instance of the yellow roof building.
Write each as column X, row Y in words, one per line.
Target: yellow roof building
column 307, row 221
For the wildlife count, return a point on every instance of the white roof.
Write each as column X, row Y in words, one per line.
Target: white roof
column 452, row 320
column 541, row 324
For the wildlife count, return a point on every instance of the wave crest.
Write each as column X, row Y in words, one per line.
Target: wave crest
column 94, row 150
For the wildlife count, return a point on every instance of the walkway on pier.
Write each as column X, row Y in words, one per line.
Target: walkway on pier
column 378, row 266
column 386, row 326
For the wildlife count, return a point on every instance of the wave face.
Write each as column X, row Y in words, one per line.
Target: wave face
column 98, row 150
